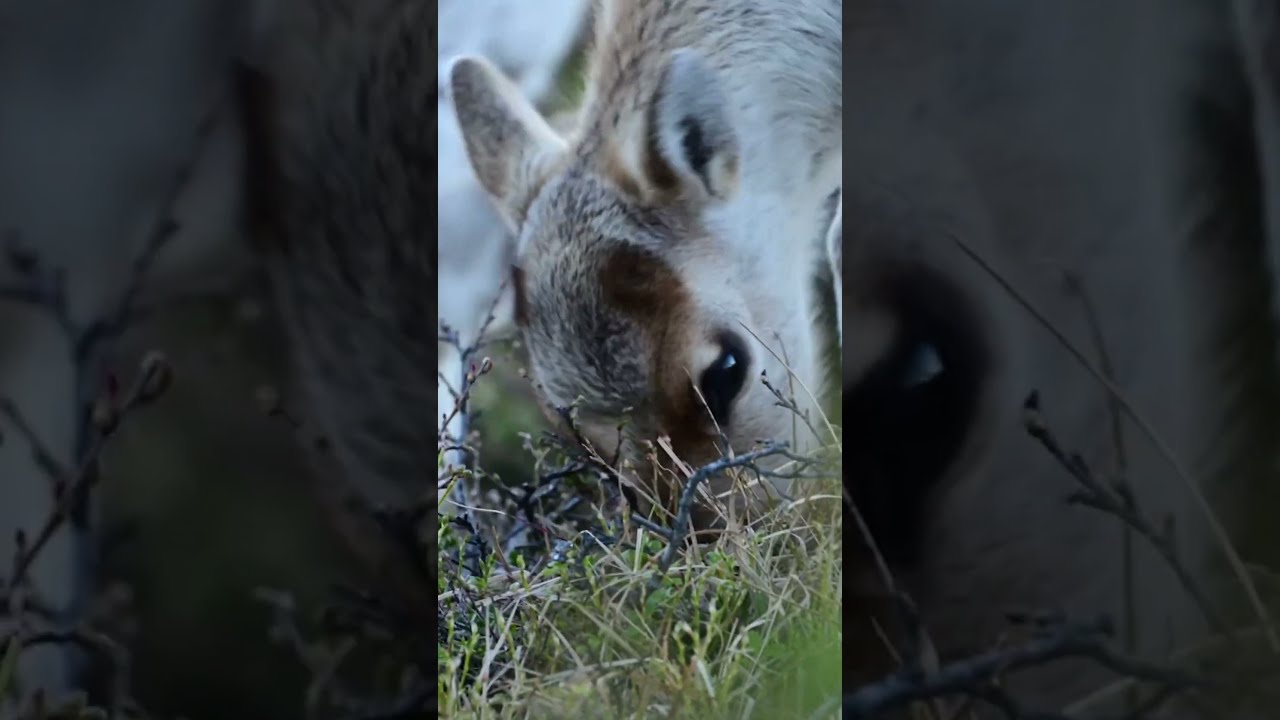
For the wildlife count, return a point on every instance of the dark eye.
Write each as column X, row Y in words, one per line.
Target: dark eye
column 920, row 407
column 922, row 367
column 723, row 379
column 910, row 416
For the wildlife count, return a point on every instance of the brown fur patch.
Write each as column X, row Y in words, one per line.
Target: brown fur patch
column 645, row 288
column 641, row 285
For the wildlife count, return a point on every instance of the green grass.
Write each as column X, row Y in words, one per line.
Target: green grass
column 747, row 627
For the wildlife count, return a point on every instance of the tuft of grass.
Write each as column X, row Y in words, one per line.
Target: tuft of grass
column 747, row 626
column 556, row 601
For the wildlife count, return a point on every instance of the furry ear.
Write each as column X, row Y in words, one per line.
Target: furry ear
column 693, row 143
column 511, row 147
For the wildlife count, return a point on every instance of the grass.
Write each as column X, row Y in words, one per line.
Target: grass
column 748, row 626
column 580, row 619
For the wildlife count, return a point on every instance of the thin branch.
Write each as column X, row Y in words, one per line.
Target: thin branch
column 152, row 380
column 688, row 495
column 1121, row 505
column 1220, row 534
column 977, row 674
column 40, row 452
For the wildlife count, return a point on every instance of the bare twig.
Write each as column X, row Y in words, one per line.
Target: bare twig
column 1189, row 483
column 40, row 452
column 976, row 676
column 32, row 633
column 680, row 528
column 1120, row 504
column 151, row 382
column 90, row 346
column 461, row 394
column 1075, row 284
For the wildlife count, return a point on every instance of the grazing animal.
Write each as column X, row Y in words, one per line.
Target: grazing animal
column 1113, row 164
column 667, row 247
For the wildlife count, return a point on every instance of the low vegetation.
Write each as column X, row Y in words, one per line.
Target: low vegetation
column 557, row 600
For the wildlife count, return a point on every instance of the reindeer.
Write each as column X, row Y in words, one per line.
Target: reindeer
column 667, row 247
column 1045, row 201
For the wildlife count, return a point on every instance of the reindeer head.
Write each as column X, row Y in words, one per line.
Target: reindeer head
column 630, row 296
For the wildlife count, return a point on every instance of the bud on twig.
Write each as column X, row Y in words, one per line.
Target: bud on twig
column 157, row 376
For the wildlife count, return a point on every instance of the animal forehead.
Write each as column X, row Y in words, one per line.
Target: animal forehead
column 581, row 205
column 607, row 284
column 599, row 318
column 597, row 289
column 589, row 244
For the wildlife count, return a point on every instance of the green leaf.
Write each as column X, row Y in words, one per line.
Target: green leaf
column 656, row 604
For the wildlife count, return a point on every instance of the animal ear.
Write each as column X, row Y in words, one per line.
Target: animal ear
column 692, row 141
column 510, row 146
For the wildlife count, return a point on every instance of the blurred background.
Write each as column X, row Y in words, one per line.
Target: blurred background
column 204, row 495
